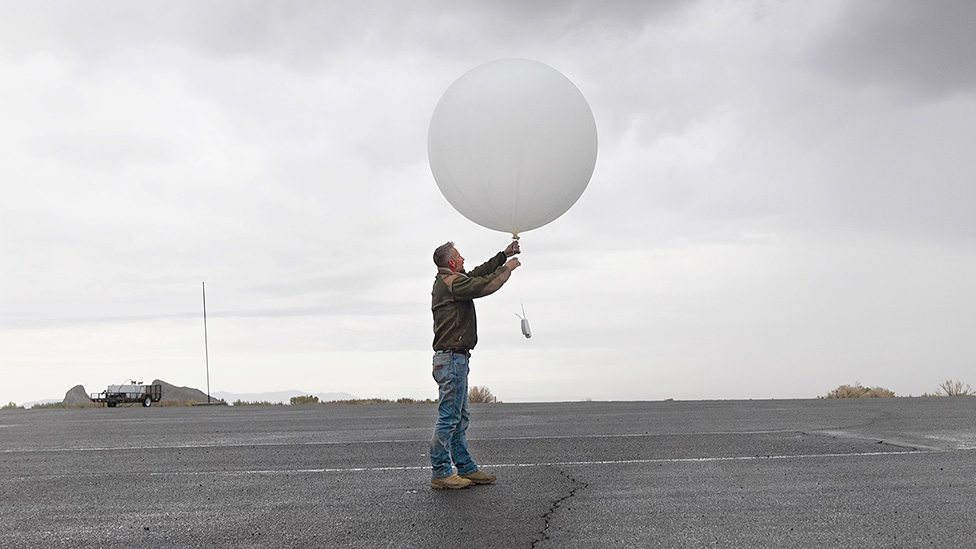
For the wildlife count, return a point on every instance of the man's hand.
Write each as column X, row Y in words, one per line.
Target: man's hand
column 512, row 263
column 512, row 249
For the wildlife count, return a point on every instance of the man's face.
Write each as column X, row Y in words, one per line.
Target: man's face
column 456, row 262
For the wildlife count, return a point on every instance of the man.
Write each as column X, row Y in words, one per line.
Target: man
column 455, row 334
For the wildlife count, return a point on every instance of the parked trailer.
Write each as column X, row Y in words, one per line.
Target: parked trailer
column 129, row 393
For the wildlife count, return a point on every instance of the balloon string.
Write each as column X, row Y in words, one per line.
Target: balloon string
column 520, row 286
column 515, row 237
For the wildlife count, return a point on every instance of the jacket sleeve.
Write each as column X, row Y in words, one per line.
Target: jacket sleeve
column 489, row 266
column 465, row 287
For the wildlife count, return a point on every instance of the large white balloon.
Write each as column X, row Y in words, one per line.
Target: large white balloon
column 512, row 145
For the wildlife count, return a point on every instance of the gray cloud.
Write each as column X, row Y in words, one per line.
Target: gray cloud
column 782, row 194
column 918, row 48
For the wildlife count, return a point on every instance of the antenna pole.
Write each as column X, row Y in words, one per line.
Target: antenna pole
column 206, row 345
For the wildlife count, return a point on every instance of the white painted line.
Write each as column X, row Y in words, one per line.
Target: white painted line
column 201, row 446
column 391, row 441
column 405, row 468
column 539, row 464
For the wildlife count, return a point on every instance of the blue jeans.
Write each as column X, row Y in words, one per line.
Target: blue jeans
column 449, row 445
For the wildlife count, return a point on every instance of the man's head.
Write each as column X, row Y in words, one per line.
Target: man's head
column 447, row 256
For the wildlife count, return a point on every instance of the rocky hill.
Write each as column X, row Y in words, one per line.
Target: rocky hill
column 76, row 395
column 188, row 395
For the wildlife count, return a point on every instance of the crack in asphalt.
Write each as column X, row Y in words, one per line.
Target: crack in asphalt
column 556, row 504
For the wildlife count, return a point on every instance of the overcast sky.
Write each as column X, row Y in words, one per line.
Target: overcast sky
column 783, row 200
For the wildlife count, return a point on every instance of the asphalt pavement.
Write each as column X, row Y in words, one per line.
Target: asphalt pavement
column 893, row 472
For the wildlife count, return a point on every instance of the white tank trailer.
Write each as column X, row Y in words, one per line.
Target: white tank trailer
column 128, row 393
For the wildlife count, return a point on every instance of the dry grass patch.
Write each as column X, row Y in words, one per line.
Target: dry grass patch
column 859, row 391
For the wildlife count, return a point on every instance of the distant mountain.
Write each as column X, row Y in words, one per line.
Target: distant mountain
column 279, row 396
column 32, row 403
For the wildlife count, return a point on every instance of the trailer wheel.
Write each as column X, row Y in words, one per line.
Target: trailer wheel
column 148, row 402
column 111, row 404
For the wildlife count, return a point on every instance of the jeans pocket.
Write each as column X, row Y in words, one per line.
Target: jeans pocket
column 441, row 366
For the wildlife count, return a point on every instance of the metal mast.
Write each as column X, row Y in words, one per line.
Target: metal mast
column 206, row 345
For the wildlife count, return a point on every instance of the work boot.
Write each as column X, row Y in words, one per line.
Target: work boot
column 479, row 477
column 452, row 482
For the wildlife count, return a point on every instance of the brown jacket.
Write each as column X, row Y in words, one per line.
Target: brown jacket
column 455, row 322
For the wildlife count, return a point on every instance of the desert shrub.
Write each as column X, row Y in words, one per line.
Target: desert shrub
column 954, row 388
column 256, row 403
column 11, row 406
column 479, row 394
column 305, row 399
column 859, row 391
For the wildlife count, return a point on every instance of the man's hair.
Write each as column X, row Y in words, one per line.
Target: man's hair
column 443, row 254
